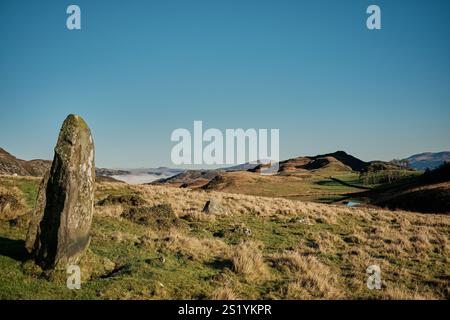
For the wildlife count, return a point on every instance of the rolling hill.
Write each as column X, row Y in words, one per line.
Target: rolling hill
column 301, row 178
column 329, row 178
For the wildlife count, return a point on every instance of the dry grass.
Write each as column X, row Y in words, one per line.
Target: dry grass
column 12, row 203
column 247, row 260
column 112, row 211
column 310, row 277
column 190, row 202
column 192, row 215
column 124, row 237
column 196, row 249
column 390, row 239
column 224, row 293
column 296, row 250
column 397, row 292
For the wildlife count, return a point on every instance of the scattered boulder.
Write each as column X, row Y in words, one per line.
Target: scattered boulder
column 58, row 234
column 214, row 207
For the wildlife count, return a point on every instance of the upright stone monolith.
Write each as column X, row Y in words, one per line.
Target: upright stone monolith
column 58, row 234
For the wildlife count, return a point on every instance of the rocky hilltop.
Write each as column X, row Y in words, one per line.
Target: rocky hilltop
column 13, row 166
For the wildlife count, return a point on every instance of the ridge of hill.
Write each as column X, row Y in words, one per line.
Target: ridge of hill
column 14, row 166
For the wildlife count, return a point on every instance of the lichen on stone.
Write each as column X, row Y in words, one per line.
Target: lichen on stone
column 59, row 232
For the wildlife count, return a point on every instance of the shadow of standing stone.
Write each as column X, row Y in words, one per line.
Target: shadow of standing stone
column 13, row 249
column 59, row 229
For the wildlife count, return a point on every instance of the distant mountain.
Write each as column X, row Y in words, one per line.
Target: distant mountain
column 429, row 160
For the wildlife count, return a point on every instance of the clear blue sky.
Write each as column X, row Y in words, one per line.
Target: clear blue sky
column 139, row 69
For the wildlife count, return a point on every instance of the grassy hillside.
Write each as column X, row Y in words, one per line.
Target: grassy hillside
column 428, row 192
column 253, row 248
column 310, row 186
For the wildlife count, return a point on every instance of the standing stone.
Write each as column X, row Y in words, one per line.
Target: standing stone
column 58, row 234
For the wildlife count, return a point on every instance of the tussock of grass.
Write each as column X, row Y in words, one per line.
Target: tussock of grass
column 247, row 260
column 310, row 277
column 12, row 203
column 127, row 199
column 191, row 247
column 161, row 216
